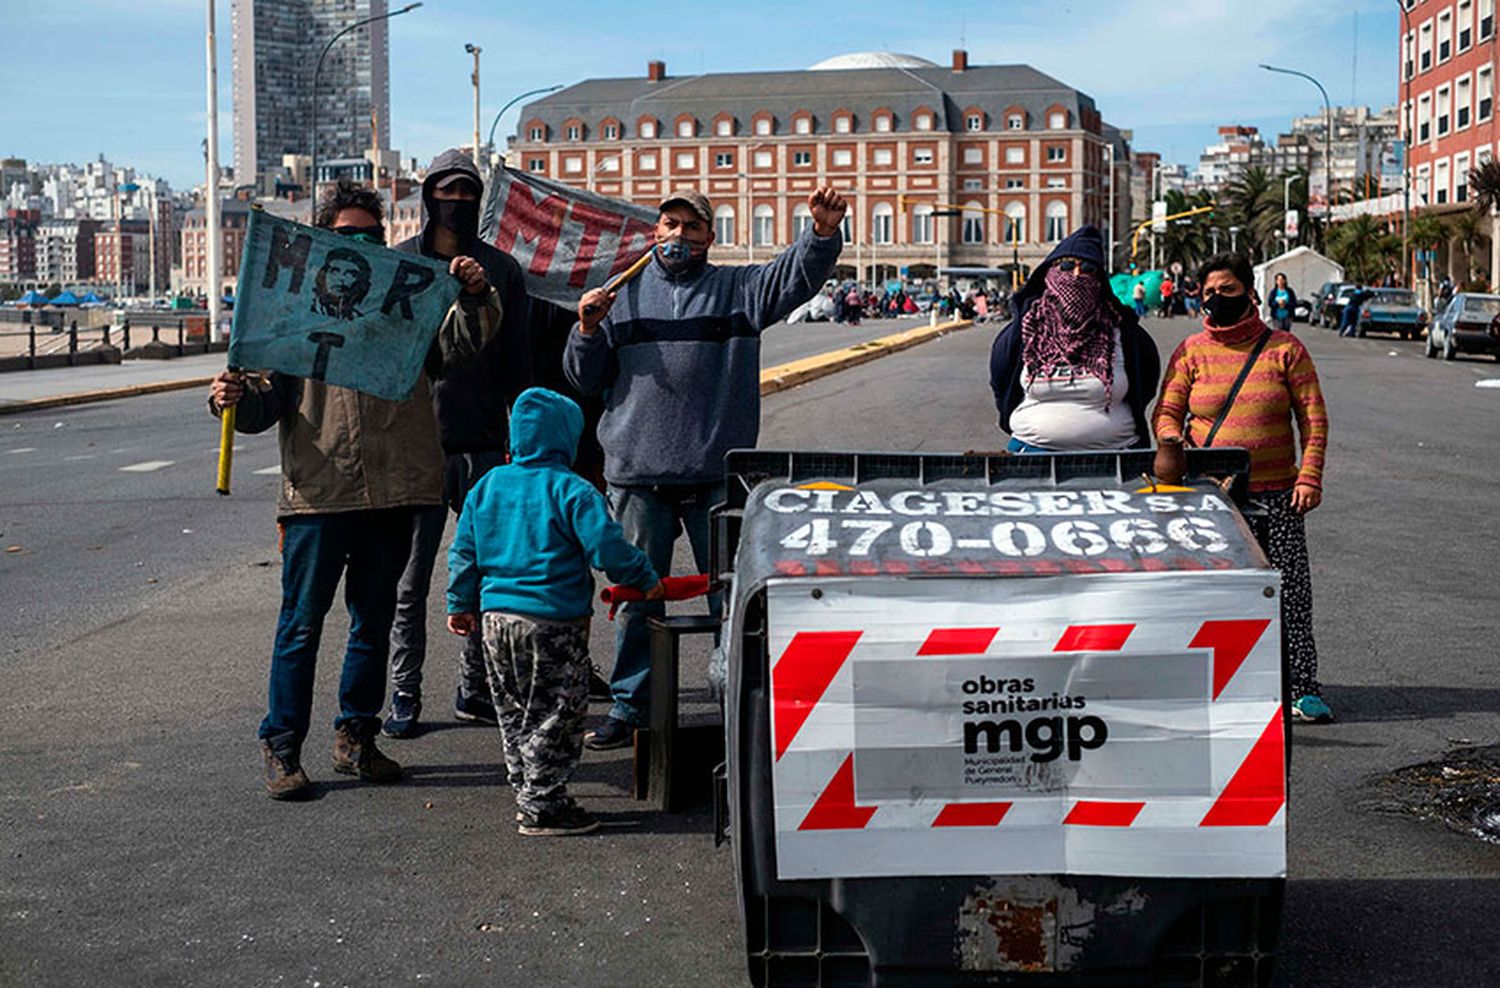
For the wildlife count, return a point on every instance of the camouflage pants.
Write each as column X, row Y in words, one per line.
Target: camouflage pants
column 539, row 678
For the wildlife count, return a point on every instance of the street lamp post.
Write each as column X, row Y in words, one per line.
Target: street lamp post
column 211, row 218
column 1327, row 138
column 318, row 71
column 1234, row 239
column 475, row 50
column 490, row 143
column 1109, row 149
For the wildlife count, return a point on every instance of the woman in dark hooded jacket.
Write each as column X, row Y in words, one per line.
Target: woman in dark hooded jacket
column 1074, row 369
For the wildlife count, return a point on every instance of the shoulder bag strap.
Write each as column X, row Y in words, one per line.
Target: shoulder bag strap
column 1234, row 391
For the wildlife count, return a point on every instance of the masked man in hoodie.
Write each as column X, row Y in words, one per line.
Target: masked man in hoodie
column 473, row 405
column 676, row 352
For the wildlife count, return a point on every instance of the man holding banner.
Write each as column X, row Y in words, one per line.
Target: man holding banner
column 347, row 330
column 676, row 352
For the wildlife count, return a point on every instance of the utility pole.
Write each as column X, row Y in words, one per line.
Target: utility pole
column 1109, row 150
column 211, row 189
column 475, row 50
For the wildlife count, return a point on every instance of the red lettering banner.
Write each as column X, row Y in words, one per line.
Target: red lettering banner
column 566, row 239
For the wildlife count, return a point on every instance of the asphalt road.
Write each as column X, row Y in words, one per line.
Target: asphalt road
column 136, row 621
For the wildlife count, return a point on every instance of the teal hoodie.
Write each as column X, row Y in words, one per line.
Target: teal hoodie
column 531, row 530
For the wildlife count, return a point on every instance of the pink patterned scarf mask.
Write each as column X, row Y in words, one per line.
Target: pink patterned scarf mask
column 1071, row 326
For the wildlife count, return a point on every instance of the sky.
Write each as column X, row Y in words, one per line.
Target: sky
column 126, row 78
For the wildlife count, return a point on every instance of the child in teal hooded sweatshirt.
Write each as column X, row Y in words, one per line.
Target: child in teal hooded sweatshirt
column 529, row 533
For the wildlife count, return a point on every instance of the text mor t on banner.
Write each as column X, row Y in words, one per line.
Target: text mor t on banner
column 317, row 305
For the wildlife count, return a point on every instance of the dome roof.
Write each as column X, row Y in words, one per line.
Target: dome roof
column 873, row 60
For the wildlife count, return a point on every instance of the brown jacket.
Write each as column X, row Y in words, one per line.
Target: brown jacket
column 343, row 450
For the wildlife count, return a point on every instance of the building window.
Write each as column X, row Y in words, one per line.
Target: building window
column 647, row 162
column 1015, row 155
column 1424, row 118
column 610, row 164
column 1015, row 122
column 611, row 132
column 843, row 124
column 843, row 158
column 974, row 122
column 1057, row 222
column 1443, row 105
column 723, row 159
column 846, row 228
column 921, row 224
column 883, row 124
column 1461, row 178
column 763, row 226
column 1057, row 153
column 1015, row 183
column 1486, row 94
column 1058, row 120
column 684, row 128
column 763, row 159
column 882, row 157
column 575, row 132
column 973, row 156
column 1465, row 24
column 1444, row 36
column 1486, row 19
column 922, row 121
column 534, row 134
column 973, row 184
column 1408, row 53
column 648, row 128
column 921, row 156
column 572, row 164
column 724, row 128
column 1424, row 46
column 1441, row 192
column 1015, row 223
column 802, row 125
column 801, row 219
column 1057, row 183
column 724, row 225
column 686, row 161
column 973, row 224
column 1461, row 103
column 801, row 159
column 882, row 223
column 763, row 126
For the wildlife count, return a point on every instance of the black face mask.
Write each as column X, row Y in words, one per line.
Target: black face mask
column 1226, row 310
column 459, row 215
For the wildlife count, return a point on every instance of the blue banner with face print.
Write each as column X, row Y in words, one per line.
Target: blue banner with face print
column 318, row 305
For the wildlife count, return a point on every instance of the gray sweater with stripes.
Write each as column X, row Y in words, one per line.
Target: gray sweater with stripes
column 678, row 361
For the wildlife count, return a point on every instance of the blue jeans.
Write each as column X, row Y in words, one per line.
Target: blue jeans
column 652, row 518
column 1349, row 322
column 1140, row 310
column 368, row 550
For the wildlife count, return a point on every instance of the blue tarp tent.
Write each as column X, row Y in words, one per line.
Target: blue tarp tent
column 66, row 298
column 92, row 299
column 32, row 297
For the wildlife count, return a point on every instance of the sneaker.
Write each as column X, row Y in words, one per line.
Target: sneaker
column 284, row 776
column 598, row 685
column 613, row 733
column 405, row 709
column 474, row 708
column 356, row 755
column 569, row 821
column 1311, row 708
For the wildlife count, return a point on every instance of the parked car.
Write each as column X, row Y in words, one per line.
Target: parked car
column 1302, row 311
column 1470, row 324
column 1393, row 310
column 1328, row 303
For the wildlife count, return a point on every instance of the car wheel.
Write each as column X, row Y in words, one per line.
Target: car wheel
column 1449, row 350
column 1429, row 349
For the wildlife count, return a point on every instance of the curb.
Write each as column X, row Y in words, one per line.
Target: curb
column 784, row 376
column 106, row 394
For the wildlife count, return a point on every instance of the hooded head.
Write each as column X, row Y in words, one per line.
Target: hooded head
column 452, row 196
column 544, row 428
column 1086, row 243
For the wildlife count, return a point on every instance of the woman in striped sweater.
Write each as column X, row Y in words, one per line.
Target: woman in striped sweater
column 1280, row 389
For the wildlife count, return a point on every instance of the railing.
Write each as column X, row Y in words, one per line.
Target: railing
column 44, row 341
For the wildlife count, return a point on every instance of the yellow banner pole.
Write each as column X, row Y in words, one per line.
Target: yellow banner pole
column 226, row 448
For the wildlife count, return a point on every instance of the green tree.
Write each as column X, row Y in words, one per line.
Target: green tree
column 1252, row 201
column 1365, row 248
column 1467, row 232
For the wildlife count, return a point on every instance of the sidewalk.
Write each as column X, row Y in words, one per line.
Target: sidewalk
column 20, row 390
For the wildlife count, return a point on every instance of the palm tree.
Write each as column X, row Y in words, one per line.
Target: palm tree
column 1252, row 201
column 1365, row 248
column 1466, row 231
column 1484, row 183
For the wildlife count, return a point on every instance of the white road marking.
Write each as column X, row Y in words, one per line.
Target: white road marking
column 22, row 449
column 147, row 467
column 79, row 456
column 268, row 472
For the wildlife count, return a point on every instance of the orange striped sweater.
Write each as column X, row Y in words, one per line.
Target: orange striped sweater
column 1282, row 385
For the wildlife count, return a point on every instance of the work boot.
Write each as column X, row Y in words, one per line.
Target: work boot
column 284, row 776
column 599, row 689
column 356, row 754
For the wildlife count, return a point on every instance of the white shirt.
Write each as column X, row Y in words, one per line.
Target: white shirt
column 1067, row 409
